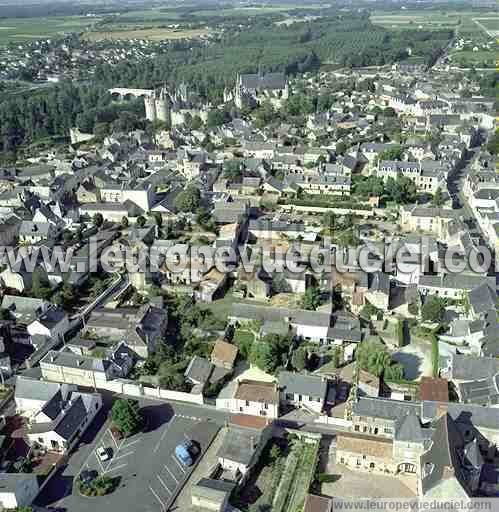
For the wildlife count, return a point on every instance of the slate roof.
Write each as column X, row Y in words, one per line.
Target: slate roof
column 443, row 455
column 383, row 408
column 239, row 445
column 482, row 298
column 68, row 359
column 409, row 428
column 199, row 370
column 35, row 389
column 302, row 384
column 464, row 367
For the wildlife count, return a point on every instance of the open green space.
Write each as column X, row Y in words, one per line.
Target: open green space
column 25, row 29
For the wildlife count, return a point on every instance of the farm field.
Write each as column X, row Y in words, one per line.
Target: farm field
column 24, row 29
column 151, row 34
column 462, row 20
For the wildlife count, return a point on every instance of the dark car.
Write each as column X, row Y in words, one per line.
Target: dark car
column 88, row 476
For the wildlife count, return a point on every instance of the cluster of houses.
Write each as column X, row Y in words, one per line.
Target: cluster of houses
column 264, row 189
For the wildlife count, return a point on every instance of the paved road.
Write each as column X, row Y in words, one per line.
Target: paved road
column 455, row 185
column 150, row 474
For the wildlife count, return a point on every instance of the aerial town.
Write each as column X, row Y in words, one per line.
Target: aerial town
column 271, row 288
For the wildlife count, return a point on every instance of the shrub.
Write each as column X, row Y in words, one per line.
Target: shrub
column 98, row 487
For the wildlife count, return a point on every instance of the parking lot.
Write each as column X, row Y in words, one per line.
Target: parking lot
column 150, row 474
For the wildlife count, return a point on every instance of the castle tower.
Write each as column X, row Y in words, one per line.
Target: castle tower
column 182, row 90
column 150, row 105
column 163, row 107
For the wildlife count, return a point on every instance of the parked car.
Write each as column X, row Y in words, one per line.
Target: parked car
column 88, row 476
column 102, row 454
column 185, row 452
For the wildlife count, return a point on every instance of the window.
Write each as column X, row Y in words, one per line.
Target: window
column 342, row 460
column 371, row 466
column 357, row 428
column 247, row 403
column 265, row 406
column 375, row 430
column 240, row 409
column 263, row 413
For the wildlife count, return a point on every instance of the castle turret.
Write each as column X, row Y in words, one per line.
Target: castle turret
column 150, row 105
column 163, row 107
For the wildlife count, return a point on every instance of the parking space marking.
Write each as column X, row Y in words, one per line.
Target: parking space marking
column 192, row 418
column 178, row 463
column 164, row 434
column 99, row 461
column 116, row 467
column 127, row 454
column 113, row 439
column 158, row 498
column 164, row 485
column 132, row 443
column 92, row 452
column 171, row 474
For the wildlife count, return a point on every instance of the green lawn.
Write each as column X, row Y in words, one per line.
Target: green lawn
column 24, row 29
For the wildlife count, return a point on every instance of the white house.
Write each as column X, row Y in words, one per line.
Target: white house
column 63, row 419
column 252, row 398
column 17, row 490
column 300, row 390
column 54, row 323
column 32, row 394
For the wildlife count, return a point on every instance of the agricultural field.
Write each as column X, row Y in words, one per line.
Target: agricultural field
column 150, row 34
column 25, row 29
column 415, row 19
column 463, row 21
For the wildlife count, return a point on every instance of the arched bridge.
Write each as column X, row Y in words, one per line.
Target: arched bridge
column 124, row 94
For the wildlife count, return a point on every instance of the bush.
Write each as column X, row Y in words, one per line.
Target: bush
column 98, row 487
column 324, row 478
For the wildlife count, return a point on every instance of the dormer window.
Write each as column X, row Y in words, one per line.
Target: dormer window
column 428, row 469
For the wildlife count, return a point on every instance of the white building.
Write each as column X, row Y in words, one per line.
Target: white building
column 17, row 490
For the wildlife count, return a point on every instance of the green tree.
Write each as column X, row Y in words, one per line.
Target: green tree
column 196, row 123
column 216, row 118
column 270, row 352
column 98, row 220
column 433, row 309
column 124, row 222
column 275, row 452
column 188, row 200
column 402, row 190
column 438, row 199
column 311, row 298
column 126, row 416
column 141, row 221
column 232, row 169
column 299, row 359
column 40, row 286
column 391, row 154
column 341, row 147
